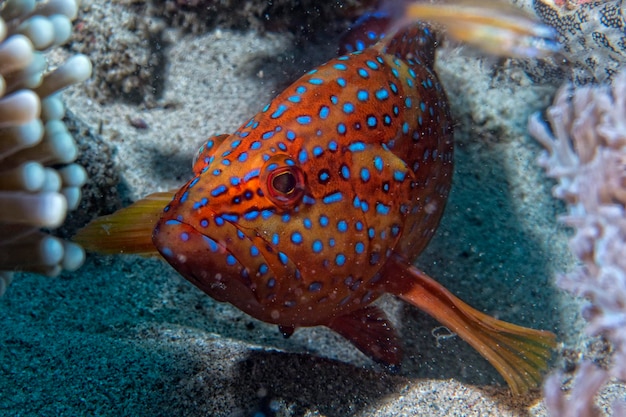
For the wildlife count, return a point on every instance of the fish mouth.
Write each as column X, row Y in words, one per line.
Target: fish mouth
column 227, row 262
column 232, row 264
column 203, row 258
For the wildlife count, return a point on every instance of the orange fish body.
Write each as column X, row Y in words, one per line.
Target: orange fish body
column 293, row 216
column 315, row 207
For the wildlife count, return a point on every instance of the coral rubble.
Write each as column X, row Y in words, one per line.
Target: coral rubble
column 38, row 181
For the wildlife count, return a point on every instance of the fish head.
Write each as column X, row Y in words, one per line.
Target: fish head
column 287, row 223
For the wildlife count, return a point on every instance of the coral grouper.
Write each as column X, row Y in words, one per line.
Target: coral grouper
column 317, row 205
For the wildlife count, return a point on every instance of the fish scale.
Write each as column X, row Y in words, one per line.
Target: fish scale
column 315, row 207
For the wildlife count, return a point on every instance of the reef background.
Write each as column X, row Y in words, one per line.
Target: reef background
column 129, row 336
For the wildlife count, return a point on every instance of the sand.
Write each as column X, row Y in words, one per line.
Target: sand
column 129, row 336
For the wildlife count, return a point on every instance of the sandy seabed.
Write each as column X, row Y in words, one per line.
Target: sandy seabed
column 129, row 336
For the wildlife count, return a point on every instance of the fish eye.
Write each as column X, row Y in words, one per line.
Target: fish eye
column 285, row 182
column 285, row 186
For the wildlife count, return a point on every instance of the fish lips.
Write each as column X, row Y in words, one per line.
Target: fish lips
column 205, row 260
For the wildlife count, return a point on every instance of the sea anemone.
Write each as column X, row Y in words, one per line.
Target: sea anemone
column 38, row 181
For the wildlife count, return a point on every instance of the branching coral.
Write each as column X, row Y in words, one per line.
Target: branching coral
column 38, row 182
column 586, row 153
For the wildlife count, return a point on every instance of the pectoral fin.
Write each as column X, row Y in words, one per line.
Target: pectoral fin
column 371, row 332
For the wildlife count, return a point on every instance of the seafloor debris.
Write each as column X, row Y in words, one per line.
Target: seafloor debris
column 586, row 154
column 304, row 18
column 38, row 181
column 128, row 52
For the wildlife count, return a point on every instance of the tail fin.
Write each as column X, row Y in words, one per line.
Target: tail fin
column 128, row 230
column 518, row 353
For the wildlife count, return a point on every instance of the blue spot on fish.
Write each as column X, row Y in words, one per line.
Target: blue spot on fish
column 359, row 247
column 219, row 190
column 303, row 120
column 378, row 163
column 333, row 198
column 382, row 94
column 279, row 111
column 382, row 209
column 213, row 246
column 296, row 237
column 356, row 147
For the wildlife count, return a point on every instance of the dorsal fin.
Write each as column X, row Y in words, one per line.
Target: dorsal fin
column 365, row 32
column 415, row 43
column 412, row 42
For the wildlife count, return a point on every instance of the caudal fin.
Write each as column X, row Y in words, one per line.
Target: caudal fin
column 518, row 353
column 126, row 231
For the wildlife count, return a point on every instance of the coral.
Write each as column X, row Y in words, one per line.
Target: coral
column 592, row 36
column 38, row 181
column 586, row 153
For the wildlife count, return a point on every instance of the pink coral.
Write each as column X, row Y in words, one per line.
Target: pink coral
column 586, row 154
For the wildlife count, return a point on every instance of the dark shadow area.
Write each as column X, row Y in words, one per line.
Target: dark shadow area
column 307, row 383
column 306, row 19
column 282, row 70
column 484, row 255
column 168, row 167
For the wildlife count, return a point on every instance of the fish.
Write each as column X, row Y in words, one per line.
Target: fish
column 494, row 27
column 318, row 205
